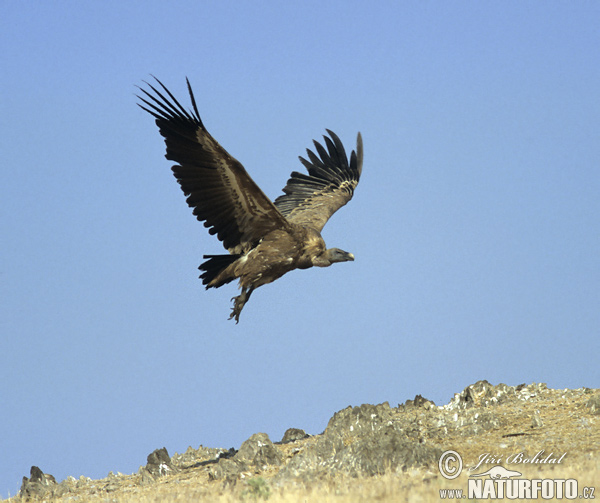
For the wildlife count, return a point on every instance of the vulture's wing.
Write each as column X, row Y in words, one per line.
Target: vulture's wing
column 311, row 199
column 219, row 189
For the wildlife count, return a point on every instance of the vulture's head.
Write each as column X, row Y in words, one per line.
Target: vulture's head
column 333, row 255
column 337, row 255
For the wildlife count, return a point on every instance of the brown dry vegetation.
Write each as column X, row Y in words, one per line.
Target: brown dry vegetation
column 498, row 420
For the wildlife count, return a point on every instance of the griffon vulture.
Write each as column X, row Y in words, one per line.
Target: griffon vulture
column 264, row 239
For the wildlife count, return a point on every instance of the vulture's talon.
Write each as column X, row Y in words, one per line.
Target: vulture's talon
column 238, row 304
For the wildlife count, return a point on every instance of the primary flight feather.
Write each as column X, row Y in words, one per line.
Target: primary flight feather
column 264, row 239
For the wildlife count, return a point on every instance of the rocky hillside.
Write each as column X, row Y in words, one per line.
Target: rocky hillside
column 389, row 452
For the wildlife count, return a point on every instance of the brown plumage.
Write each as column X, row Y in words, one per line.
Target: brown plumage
column 265, row 239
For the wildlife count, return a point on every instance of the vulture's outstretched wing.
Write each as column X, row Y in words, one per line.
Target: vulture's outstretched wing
column 311, row 199
column 219, row 189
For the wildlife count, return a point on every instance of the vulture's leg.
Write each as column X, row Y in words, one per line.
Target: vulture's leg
column 239, row 303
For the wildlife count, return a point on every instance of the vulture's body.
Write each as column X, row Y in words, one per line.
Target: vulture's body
column 264, row 239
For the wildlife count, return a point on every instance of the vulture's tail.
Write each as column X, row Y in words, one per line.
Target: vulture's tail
column 214, row 266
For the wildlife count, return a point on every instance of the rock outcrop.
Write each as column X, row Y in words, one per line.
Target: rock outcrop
column 371, row 440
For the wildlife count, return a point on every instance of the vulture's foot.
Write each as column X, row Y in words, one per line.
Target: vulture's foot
column 239, row 303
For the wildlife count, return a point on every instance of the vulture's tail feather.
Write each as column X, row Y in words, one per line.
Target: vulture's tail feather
column 214, row 266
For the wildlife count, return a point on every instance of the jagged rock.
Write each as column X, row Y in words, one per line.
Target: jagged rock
column 146, row 478
column 227, row 470
column 385, row 449
column 593, row 404
column 483, row 394
column 353, row 420
column 366, row 441
column 418, row 402
column 39, row 484
column 201, row 456
column 480, row 394
column 159, row 463
column 255, row 453
column 313, row 462
column 360, row 441
column 63, row 488
column 227, row 454
column 259, row 451
column 293, row 435
column 83, row 480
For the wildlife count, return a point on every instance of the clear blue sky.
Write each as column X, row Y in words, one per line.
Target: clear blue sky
column 475, row 226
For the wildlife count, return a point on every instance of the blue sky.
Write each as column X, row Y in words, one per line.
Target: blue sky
column 475, row 225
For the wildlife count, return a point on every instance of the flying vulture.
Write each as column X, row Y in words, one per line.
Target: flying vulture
column 264, row 239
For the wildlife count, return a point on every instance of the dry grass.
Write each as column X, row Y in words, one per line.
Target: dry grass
column 412, row 486
column 569, row 426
